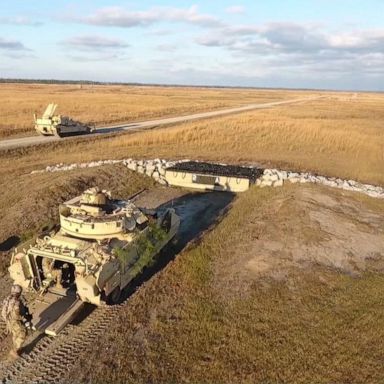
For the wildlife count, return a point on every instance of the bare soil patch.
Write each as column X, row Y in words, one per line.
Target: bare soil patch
column 303, row 228
column 153, row 198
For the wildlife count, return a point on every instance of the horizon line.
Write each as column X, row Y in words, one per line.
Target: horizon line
column 98, row 82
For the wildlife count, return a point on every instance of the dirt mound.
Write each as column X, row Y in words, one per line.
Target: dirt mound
column 302, row 227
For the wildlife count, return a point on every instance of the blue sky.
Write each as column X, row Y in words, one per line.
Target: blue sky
column 335, row 44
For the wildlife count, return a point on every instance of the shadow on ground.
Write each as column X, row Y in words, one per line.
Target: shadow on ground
column 8, row 244
column 198, row 212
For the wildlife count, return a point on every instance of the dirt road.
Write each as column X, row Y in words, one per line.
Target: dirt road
column 35, row 140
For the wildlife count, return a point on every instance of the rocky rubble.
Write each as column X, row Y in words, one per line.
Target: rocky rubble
column 269, row 178
column 152, row 168
column 277, row 178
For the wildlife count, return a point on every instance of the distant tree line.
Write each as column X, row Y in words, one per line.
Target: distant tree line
column 90, row 82
column 54, row 81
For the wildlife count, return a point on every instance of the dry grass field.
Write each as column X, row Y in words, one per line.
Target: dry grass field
column 286, row 287
column 335, row 137
column 106, row 105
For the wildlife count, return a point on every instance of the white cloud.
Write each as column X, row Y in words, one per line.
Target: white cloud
column 167, row 47
column 359, row 40
column 293, row 38
column 92, row 42
column 20, row 20
column 235, row 9
column 121, row 17
column 101, row 57
column 12, row 45
column 290, row 48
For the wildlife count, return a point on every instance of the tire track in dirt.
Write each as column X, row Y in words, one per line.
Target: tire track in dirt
column 3, row 330
column 52, row 357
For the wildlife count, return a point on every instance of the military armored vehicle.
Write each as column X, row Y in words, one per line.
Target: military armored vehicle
column 101, row 245
column 57, row 125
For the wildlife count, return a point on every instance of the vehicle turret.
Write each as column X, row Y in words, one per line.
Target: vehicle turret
column 94, row 215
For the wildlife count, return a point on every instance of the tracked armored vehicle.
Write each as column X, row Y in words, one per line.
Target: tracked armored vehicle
column 56, row 125
column 101, row 246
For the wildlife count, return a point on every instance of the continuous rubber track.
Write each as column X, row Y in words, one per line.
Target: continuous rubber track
column 138, row 126
column 52, row 357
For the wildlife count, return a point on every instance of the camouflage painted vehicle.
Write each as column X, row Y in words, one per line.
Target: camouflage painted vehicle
column 101, row 246
column 57, row 125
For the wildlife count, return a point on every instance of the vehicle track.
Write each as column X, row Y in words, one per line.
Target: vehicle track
column 52, row 357
column 3, row 330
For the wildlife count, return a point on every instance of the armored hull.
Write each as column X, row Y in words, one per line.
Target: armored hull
column 57, row 125
column 101, row 246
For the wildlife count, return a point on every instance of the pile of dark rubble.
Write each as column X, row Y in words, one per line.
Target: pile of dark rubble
column 204, row 168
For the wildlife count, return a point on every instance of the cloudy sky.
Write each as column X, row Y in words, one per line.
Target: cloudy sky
column 336, row 44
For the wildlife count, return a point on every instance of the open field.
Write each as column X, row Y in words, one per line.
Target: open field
column 334, row 137
column 286, row 287
column 137, row 126
column 106, row 105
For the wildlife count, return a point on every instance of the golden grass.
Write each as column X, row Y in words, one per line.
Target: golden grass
column 337, row 138
column 105, row 105
column 334, row 137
